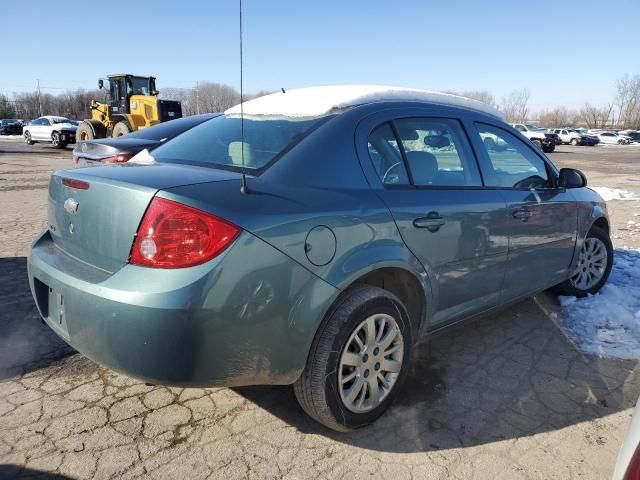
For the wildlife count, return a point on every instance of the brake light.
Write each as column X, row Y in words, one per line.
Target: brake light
column 121, row 158
column 173, row 235
column 77, row 184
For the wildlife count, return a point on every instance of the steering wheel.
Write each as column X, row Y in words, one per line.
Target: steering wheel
column 389, row 172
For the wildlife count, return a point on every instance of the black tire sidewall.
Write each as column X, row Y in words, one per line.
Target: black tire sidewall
column 379, row 304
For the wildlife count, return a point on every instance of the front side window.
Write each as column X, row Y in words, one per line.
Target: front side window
column 218, row 142
column 437, row 152
column 513, row 163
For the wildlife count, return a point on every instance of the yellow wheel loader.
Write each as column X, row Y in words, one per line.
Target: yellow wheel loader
column 131, row 103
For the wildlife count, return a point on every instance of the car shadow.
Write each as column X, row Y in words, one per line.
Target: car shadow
column 24, row 473
column 504, row 376
column 26, row 344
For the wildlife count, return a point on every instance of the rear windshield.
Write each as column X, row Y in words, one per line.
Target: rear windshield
column 169, row 129
column 218, row 142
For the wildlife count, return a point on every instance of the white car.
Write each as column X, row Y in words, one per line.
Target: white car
column 613, row 138
column 544, row 140
column 628, row 464
column 568, row 136
column 59, row 131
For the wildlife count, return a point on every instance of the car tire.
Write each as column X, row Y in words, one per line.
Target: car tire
column 120, row 129
column 549, row 148
column 537, row 143
column 346, row 362
column 597, row 242
column 27, row 138
column 574, row 142
column 57, row 142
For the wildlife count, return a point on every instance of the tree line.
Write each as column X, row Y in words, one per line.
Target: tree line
column 622, row 112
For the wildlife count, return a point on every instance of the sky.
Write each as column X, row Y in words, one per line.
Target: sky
column 564, row 52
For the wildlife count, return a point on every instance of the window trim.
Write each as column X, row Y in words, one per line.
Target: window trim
column 551, row 174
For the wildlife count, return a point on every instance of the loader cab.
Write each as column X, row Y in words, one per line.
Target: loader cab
column 121, row 87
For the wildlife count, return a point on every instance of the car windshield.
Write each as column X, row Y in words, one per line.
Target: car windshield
column 170, row 129
column 138, row 86
column 61, row 120
column 218, row 142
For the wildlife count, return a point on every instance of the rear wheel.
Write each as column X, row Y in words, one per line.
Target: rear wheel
column 357, row 361
column 537, row 143
column 593, row 267
column 574, row 142
column 84, row 132
column 120, row 129
column 549, row 148
column 27, row 138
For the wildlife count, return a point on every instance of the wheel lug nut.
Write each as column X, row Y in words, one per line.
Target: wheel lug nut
column 376, row 351
column 365, row 358
column 377, row 366
column 366, row 373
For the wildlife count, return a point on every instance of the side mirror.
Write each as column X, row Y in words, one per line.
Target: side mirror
column 100, row 84
column 571, row 178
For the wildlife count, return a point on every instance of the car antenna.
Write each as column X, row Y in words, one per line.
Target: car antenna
column 244, row 188
column 283, row 91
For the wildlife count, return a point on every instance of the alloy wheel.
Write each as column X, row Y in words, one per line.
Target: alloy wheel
column 370, row 363
column 592, row 264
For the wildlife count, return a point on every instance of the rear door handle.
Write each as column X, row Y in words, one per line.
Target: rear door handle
column 522, row 214
column 432, row 222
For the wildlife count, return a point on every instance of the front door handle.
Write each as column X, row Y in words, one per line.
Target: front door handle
column 432, row 222
column 522, row 214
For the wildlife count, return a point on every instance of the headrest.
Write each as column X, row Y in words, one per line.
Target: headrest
column 437, row 141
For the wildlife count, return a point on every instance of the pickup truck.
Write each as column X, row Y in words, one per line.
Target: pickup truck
column 544, row 140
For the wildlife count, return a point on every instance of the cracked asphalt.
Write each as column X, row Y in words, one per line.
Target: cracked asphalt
column 507, row 396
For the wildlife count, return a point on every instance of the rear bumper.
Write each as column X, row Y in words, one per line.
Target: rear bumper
column 247, row 317
column 68, row 137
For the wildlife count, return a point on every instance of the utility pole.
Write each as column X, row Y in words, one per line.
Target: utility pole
column 197, row 99
column 39, row 101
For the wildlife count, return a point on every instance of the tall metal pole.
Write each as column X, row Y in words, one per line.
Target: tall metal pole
column 39, row 101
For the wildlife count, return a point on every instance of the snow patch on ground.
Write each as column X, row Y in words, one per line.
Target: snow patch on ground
column 607, row 324
column 10, row 137
column 608, row 193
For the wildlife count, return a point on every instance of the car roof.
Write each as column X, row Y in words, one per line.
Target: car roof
column 318, row 101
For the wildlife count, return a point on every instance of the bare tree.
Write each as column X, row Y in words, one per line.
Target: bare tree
column 515, row 106
column 558, row 117
column 628, row 101
column 7, row 109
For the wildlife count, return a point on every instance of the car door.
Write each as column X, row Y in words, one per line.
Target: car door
column 427, row 175
column 542, row 218
column 35, row 127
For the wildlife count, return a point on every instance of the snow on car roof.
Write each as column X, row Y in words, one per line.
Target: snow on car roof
column 318, row 101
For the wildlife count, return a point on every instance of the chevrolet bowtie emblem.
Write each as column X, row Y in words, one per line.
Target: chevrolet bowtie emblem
column 71, row 205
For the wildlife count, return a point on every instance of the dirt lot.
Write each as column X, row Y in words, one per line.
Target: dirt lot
column 507, row 396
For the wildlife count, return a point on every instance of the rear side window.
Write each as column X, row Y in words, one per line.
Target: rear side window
column 386, row 157
column 168, row 129
column 438, row 152
column 218, row 142
column 513, row 163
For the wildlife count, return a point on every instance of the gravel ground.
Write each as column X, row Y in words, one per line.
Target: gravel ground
column 506, row 396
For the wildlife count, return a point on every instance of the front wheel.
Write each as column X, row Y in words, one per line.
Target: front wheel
column 56, row 141
column 357, row 361
column 537, row 143
column 574, row 142
column 593, row 267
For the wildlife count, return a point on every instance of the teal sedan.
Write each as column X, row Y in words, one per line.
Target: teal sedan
column 311, row 237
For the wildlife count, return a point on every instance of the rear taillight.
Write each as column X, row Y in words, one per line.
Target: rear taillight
column 173, row 235
column 121, row 158
column 633, row 469
column 77, row 184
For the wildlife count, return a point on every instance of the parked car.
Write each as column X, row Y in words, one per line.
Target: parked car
column 546, row 141
column 613, row 138
column 633, row 135
column 59, row 131
column 121, row 149
column 574, row 137
column 9, row 126
column 628, row 463
column 311, row 241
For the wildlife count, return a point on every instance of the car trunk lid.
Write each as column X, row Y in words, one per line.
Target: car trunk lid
column 94, row 214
